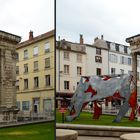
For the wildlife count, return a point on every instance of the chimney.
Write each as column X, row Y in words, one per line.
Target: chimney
column 95, row 39
column 31, row 35
column 102, row 37
column 81, row 39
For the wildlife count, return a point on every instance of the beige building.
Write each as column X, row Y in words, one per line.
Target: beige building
column 35, row 73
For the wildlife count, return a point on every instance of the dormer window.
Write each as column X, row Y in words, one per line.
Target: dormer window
column 121, row 47
column 125, row 49
column 117, row 47
column 112, row 46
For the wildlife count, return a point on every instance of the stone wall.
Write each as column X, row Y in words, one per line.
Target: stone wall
column 8, row 107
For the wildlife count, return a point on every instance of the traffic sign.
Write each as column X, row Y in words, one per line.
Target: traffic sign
column 62, row 110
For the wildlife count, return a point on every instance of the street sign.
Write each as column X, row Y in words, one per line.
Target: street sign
column 62, row 110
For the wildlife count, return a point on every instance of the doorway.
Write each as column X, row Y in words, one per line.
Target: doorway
column 36, row 105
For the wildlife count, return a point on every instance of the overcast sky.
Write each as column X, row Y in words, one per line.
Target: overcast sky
column 115, row 19
column 21, row 16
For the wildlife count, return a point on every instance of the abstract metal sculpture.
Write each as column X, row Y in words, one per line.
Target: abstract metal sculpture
column 95, row 88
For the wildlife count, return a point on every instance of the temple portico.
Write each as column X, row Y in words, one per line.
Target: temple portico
column 134, row 42
column 8, row 107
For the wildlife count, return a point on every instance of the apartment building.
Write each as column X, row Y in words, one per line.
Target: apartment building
column 70, row 66
column 35, row 73
column 97, row 58
column 119, row 58
column 100, row 58
column 119, row 62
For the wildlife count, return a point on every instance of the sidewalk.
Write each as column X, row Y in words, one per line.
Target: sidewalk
column 97, row 138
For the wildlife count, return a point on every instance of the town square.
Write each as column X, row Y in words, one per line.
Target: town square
column 97, row 69
column 70, row 70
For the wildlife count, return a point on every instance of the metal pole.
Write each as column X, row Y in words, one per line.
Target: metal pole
column 62, row 117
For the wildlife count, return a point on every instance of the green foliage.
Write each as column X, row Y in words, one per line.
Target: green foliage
column 43, row 131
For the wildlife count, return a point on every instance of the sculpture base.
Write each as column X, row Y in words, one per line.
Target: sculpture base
column 66, row 134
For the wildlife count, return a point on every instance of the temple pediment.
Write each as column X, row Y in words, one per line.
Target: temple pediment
column 134, row 42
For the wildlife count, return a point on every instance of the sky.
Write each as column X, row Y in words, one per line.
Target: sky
column 20, row 16
column 114, row 19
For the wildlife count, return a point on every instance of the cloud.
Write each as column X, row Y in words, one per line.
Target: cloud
column 21, row 16
column 116, row 20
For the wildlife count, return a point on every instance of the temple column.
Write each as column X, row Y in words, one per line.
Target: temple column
column 134, row 42
column 134, row 67
column 8, row 107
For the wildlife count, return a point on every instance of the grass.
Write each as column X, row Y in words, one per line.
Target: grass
column 86, row 118
column 43, row 131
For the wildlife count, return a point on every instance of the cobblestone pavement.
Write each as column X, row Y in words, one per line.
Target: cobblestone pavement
column 97, row 138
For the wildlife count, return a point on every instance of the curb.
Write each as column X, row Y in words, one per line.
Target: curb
column 97, row 130
column 24, row 123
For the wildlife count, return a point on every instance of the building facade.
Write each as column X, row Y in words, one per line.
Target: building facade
column 35, row 73
column 100, row 58
column 97, row 58
column 118, row 57
column 70, row 66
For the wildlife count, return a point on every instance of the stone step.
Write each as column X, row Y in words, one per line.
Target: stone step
column 63, row 134
column 130, row 136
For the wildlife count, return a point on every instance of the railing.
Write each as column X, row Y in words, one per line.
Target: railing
column 109, row 111
column 25, row 117
column 30, row 116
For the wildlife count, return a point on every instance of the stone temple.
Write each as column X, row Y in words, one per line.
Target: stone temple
column 8, row 109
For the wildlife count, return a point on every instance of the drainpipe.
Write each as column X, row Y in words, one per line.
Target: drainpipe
column 59, row 64
column 108, row 62
column 58, row 71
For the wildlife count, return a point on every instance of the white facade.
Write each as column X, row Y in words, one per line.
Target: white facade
column 100, row 58
column 118, row 57
column 88, row 65
column 70, row 66
column 121, row 61
column 92, row 65
column 120, row 66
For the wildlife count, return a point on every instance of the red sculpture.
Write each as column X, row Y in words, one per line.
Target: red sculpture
column 97, row 110
column 133, row 104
